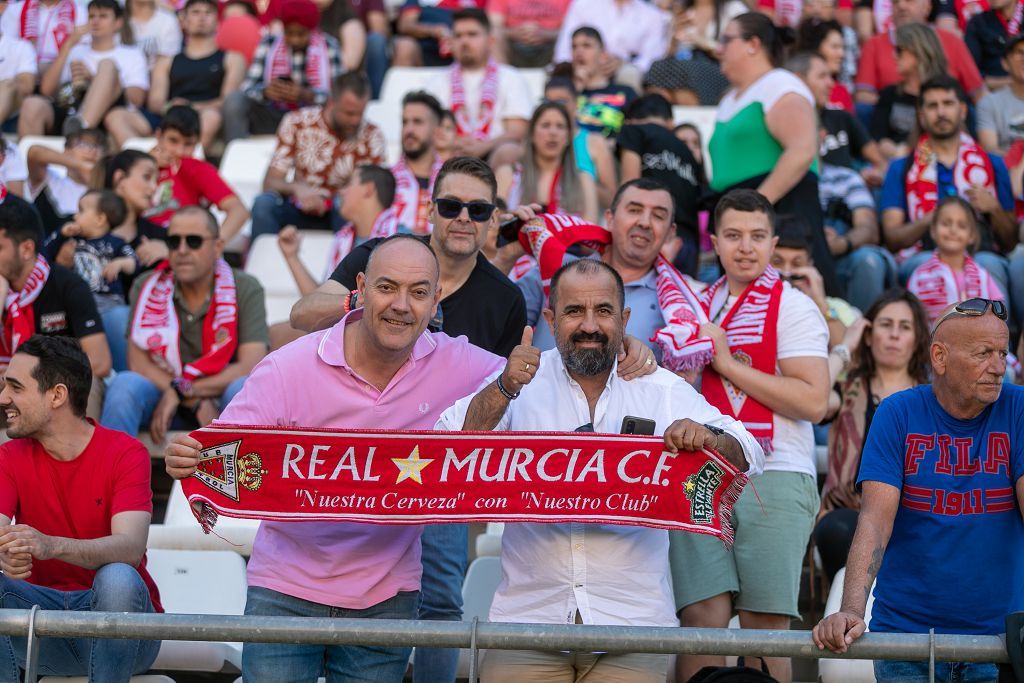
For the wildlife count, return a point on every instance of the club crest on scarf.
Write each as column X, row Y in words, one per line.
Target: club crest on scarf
column 699, row 488
column 736, row 397
column 224, row 471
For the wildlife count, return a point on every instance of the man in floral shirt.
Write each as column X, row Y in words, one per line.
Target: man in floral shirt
column 323, row 146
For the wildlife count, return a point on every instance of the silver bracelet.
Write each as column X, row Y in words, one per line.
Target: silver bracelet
column 505, row 392
column 843, row 351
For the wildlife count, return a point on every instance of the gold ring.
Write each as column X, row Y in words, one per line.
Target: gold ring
column 527, row 367
column 650, row 362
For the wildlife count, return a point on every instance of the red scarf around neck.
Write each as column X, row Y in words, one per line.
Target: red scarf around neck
column 384, row 225
column 412, row 202
column 751, row 327
column 19, row 316
column 156, row 329
column 64, row 26
column 682, row 348
column 318, row 63
column 480, row 128
column 934, row 283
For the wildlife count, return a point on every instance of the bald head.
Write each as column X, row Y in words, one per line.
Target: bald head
column 968, row 357
column 407, row 249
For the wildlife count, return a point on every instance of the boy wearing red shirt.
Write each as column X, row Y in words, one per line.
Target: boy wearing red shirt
column 81, row 495
column 186, row 181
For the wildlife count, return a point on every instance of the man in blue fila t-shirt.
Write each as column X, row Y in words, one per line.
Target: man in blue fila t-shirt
column 940, row 521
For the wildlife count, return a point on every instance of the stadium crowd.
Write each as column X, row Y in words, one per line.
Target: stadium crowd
column 860, row 196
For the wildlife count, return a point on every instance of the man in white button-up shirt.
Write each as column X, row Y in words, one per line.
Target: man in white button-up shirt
column 589, row 573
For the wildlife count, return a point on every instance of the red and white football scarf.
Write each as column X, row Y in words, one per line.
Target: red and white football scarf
column 385, row 225
column 882, row 11
column 412, row 202
column 19, row 317
column 28, row 23
column 934, row 283
column 965, row 9
column 1013, row 25
column 420, row 477
column 682, row 349
column 480, row 128
column 318, row 63
column 973, row 167
column 751, row 328
column 156, row 329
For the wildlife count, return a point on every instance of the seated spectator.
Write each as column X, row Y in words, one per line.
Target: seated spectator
column 339, row 18
column 18, row 71
column 601, row 102
column 13, row 171
column 789, row 14
column 895, row 116
column 446, row 134
column 420, row 163
column 155, row 30
column 319, row 147
column 988, row 37
column 86, row 80
column 525, row 30
column 201, row 359
column 885, row 354
column 200, row 75
column 824, row 11
column 46, row 24
column 878, row 61
column 1001, row 113
column 82, row 500
column 842, row 135
column 634, row 35
column 187, row 181
column 44, row 298
column 825, row 39
column 947, row 162
column 238, row 29
column 648, row 148
column 424, row 31
column 950, row 275
column 589, row 148
column 687, row 83
column 98, row 257
column 792, row 259
column 56, row 194
column 547, row 174
column 490, row 101
column 364, row 29
column 707, row 262
column 292, row 70
column 851, row 230
column 698, row 25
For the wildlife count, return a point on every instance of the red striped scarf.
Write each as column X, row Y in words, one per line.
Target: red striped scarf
column 412, row 202
column 19, row 316
column 318, row 63
column 934, row 283
column 29, row 22
column 385, row 225
column 479, row 128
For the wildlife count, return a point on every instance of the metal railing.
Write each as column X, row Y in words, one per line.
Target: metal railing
column 475, row 635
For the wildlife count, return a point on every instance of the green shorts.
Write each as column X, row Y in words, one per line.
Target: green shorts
column 763, row 567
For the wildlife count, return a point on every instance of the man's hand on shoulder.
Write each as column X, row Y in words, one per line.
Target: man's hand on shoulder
column 837, row 631
column 181, row 457
column 636, row 359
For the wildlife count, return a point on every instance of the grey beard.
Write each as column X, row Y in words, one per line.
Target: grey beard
column 588, row 362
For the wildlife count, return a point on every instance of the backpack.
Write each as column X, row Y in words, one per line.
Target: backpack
column 733, row 674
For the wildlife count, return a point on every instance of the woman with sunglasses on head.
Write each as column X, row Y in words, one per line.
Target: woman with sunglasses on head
column 768, row 122
column 886, row 351
column 548, row 174
column 919, row 57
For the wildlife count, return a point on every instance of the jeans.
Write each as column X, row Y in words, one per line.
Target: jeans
column 377, row 61
column 271, row 212
column 867, row 271
column 244, row 116
column 115, row 326
column 283, row 663
column 131, row 400
column 445, row 556
column 1017, row 285
column 887, row 671
column 116, row 587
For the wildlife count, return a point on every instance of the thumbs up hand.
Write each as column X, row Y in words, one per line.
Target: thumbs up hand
column 522, row 363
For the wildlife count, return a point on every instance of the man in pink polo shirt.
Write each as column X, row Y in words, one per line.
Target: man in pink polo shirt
column 378, row 368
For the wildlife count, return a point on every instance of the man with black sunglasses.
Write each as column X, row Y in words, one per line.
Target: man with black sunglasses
column 197, row 329
column 942, row 501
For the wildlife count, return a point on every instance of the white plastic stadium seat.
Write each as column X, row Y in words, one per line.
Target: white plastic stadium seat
column 52, row 141
column 488, row 544
column 704, row 119
column 845, row 670
column 388, row 117
column 482, row 580
column 245, row 163
column 199, row 582
column 267, row 264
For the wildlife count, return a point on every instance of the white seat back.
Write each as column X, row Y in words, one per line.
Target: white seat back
column 244, row 164
column 704, row 119
column 267, row 264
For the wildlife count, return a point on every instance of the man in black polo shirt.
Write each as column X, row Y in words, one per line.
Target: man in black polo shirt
column 50, row 299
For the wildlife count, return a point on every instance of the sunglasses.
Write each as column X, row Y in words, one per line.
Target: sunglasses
column 974, row 308
column 452, row 208
column 193, row 241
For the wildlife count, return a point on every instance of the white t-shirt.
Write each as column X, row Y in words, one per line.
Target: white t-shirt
column 131, row 64
column 802, row 332
column 16, row 57
column 14, row 167
column 63, row 192
column 514, row 101
column 46, row 45
column 158, row 37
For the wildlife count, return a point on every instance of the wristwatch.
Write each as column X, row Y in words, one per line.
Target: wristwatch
column 717, row 431
column 843, row 351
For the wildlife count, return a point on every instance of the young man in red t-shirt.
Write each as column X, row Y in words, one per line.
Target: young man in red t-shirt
column 186, row 181
column 82, row 499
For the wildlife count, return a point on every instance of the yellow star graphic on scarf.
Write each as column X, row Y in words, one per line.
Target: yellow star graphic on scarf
column 689, row 487
column 411, row 467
